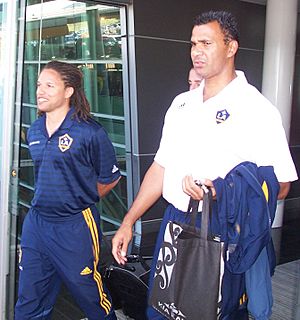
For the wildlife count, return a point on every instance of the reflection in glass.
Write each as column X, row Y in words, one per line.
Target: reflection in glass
column 88, row 35
column 72, row 30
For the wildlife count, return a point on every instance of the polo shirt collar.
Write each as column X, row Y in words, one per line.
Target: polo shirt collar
column 69, row 120
column 231, row 88
column 66, row 124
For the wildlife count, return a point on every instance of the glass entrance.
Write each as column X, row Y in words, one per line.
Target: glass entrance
column 89, row 35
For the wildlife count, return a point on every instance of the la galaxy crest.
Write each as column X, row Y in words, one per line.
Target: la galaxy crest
column 64, row 142
column 222, row 116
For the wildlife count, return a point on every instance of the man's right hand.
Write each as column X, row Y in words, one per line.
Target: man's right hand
column 120, row 243
column 150, row 191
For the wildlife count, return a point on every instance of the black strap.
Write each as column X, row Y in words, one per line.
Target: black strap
column 193, row 210
column 206, row 210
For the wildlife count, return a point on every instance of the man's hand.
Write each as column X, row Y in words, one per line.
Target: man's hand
column 192, row 189
column 284, row 190
column 149, row 193
column 120, row 242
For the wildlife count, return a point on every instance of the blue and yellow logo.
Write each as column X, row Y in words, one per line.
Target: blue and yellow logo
column 64, row 142
column 222, row 116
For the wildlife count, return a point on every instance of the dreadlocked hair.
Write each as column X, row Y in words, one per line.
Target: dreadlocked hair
column 72, row 77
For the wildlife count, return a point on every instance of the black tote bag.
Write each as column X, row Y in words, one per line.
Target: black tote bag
column 186, row 282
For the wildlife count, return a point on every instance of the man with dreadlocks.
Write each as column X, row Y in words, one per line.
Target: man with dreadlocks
column 75, row 163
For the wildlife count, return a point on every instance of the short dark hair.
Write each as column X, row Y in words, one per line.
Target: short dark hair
column 226, row 21
column 72, row 77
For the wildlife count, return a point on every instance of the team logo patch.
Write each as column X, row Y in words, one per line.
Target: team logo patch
column 222, row 116
column 86, row 271
column 64, row 142
column 114, row 169
column 181, row 105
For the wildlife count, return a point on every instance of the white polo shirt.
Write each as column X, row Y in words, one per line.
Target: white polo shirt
column 208, row 139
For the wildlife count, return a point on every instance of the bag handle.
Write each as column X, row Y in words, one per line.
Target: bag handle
column 206, row 210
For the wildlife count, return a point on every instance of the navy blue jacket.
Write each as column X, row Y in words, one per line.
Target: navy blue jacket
column 245, row 208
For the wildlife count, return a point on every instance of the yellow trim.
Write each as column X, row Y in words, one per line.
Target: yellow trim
column 243, row 299
column 89, row 219
column 265, row 190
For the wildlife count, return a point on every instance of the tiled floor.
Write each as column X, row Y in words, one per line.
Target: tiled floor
column 286, row 291
column 290, row 240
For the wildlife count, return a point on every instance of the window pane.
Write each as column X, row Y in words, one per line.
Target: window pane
column 88, row 35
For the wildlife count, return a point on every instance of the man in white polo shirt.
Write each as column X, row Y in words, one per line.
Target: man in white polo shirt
column 209, row 130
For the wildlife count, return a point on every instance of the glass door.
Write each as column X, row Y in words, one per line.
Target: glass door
column 89, row 35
